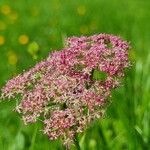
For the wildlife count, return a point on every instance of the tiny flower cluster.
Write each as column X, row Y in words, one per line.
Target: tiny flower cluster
column 72, row 86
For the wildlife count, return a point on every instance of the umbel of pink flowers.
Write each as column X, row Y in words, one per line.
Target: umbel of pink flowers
column 70, row 88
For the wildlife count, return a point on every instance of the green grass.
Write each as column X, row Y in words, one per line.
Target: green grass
column 126, row 125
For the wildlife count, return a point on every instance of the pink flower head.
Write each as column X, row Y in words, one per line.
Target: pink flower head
column 69, row 88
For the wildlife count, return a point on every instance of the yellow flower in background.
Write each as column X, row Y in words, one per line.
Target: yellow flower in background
column 132, row 54
column 93, row 25
column 23, row 39
column 12, row 57
column 2, row 40
column 57, row 5
column 81, row 10
column 35, row 11
column 13, row 16
column 5, row 9
column 2, row 25
column 84, row 29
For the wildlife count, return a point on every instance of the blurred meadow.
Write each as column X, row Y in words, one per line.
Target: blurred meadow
column 30, row 29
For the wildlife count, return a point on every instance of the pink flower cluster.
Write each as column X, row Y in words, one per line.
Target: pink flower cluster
column 72, row 86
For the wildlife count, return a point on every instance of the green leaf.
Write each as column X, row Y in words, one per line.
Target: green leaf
column 98, row 75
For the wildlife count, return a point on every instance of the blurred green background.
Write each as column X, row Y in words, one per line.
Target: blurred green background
column 30, row 29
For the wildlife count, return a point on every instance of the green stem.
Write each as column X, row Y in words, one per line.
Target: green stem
column 76, row 142
column 105, row 144
column 33, row 138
